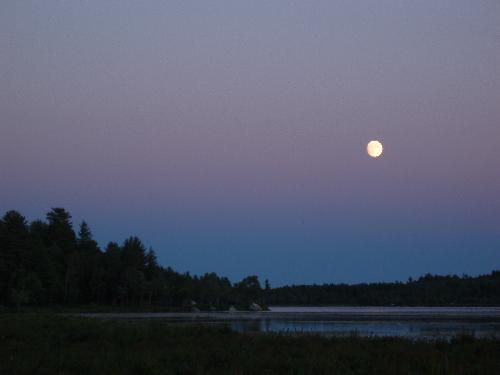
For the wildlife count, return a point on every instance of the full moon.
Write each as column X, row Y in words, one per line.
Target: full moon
column 374, row 149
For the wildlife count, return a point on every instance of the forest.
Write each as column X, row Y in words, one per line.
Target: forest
column 428, row 290
column 48, row 263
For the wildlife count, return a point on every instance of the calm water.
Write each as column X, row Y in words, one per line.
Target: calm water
column 420, row 322
column 414, row 322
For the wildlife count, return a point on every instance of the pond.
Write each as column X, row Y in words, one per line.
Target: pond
column 412, row 322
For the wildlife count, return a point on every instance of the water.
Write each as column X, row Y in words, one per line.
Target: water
column 412, row 322
column 410, row 329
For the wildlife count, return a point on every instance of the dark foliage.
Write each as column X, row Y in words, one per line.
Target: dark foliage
column 45, row 263
column 428, row 290
column 48, row 264
column 36, row 344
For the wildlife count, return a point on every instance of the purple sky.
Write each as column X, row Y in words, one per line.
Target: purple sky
column 231, row 135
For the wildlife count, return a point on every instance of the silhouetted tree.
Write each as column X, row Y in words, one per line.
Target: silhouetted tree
column 91, row 266
column 60, row 229
column 248, row 289
column 267, row 286
column 46, row 263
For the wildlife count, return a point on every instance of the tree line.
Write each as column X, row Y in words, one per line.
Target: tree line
column 428, row 290
column 47, row 263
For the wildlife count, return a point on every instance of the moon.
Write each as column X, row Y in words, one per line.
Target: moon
column 374, row 149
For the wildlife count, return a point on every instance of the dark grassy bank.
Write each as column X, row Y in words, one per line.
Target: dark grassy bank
column 49, row 344
column 77, row 309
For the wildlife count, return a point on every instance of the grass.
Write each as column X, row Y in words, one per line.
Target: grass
column 52, row 344
column 46, row 310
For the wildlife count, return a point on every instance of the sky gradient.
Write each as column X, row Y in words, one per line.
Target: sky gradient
column 230, row 135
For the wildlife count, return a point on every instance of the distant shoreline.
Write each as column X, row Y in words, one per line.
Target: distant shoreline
column 367, row 313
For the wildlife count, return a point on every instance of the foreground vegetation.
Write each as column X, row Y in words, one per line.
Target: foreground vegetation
column 50, row 344
column 46, row 264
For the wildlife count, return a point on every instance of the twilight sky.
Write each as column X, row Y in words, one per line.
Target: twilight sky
column 230, row 135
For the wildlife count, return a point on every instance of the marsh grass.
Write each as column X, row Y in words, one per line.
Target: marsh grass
column 53, row 344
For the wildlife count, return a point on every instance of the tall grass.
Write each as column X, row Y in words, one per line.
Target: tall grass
column 51, row 344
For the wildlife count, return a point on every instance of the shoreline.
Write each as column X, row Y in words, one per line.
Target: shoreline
column 469, row 314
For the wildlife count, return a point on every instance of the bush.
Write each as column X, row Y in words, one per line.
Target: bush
column 49, row 344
